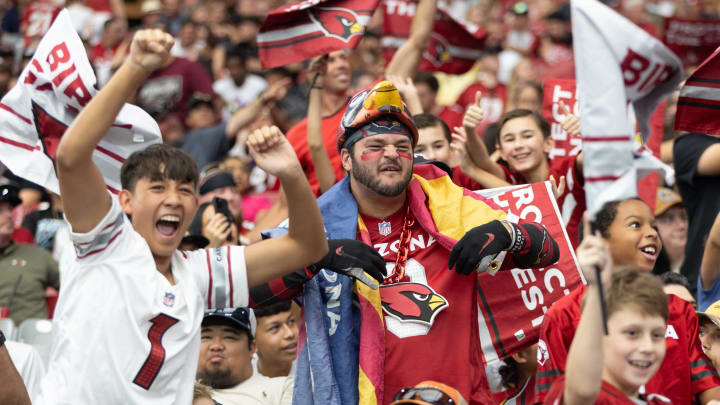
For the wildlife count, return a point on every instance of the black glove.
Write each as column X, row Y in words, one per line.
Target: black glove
column 479, row 247
column 350, row 257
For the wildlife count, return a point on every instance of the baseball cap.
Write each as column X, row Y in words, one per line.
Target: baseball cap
column 666, row 199
column 712, row 313
column 9, row 193
column 197, row 240
column 150, row 6
column 379, row 110
column 200, row 99
column 213, row 178
column 241, row 317
column 520, row 8
column 429, row 393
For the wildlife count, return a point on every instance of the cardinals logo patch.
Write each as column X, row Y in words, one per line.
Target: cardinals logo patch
column 337, row 22
column 438, row 52
column 412, row 302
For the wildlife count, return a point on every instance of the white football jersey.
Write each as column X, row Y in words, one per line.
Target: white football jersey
column 124, row 334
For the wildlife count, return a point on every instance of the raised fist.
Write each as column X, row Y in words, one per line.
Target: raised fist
column 150, row 49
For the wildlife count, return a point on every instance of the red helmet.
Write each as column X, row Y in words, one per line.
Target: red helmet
column 380, row 105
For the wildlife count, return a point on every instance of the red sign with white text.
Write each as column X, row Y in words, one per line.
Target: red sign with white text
column 692, row 40
column 556, row 90
column 513, row 302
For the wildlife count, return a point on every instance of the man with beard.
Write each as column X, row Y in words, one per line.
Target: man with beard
column 422, row 225
column 225, row 363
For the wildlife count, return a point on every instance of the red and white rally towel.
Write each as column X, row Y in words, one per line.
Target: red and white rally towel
column 699, row 101
column 300, row 31
column 616, row 62
column 454, row 46
column 510, row 321
column 51, row 90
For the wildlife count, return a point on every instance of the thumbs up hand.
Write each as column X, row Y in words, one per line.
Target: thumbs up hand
column 474, row 114
column 571, row 123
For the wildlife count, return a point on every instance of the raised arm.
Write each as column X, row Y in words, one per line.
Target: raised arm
column 407, row 59
column 320, row 158
column 305, row 241
column 482, row 177
column 584, row 367
column 476, row 149
column 248, row 113
column 85, row 199
column 12, row 389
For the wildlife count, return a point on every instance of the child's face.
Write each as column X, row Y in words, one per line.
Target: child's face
column 633, row 349
column 633, row 237
column 710, row 338
column 522, row 144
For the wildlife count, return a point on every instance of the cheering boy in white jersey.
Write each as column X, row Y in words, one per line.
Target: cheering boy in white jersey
column 128, row 319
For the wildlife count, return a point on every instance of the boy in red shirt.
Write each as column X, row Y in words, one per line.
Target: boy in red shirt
column 629, row 229
column 611, row 367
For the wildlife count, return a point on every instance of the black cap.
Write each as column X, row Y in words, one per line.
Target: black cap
column 198, row 241
column 241, row 317
column 200, row 99
column 9, row 194
column 215, row 180
column 561, row 13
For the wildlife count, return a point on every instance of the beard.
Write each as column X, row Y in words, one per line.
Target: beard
column 219, row 379
column 364, row 176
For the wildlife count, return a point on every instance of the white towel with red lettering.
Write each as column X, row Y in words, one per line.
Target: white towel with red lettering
column 51, row 90
column 617, row 63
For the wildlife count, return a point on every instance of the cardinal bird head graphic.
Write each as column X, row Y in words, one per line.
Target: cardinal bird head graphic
column 336, row 22
column 438, row 51
column 412, row 302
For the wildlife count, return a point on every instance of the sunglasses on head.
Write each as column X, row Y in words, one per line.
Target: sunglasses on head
column 428, row 394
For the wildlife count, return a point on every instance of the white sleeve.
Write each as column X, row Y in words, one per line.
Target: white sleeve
column 96, row 241
column 223, row 277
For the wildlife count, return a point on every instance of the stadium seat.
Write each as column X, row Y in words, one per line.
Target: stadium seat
column 7, row 326
column 39, row 334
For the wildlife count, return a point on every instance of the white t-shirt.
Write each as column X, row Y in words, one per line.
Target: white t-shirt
column 28, row 363
column 258, row 390
column 124, row 334
column 238, row 96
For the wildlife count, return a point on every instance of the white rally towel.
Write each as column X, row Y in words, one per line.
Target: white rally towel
column 616, row 62
column 54, row 86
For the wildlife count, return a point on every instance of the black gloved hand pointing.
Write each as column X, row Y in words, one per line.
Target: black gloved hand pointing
column 350, row 257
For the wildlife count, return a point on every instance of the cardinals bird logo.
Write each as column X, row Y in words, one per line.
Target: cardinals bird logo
column 49, row 130
column 412, row 302
column 336, row 22
column 438, row 51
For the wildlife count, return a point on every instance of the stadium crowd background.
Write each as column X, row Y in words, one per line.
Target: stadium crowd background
column 215, row 93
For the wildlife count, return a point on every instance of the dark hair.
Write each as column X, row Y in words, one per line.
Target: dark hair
column 236, row 51
column 272, row 309
column 158, row 162
column 524, row 85
column 521, row 112
column 510, row 373
column 605, row 217
column 427, row 79
column 429, row 121
column 670, row 278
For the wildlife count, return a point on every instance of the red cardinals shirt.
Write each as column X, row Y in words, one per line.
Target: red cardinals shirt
column 37, row 18
column 519, row 396
column 608, row 395
column 431, row 318
column 297, row 136
column 684, row 373
column 572, row 201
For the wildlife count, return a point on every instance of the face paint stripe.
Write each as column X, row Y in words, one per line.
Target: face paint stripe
column 371, row 155
column 405, row 155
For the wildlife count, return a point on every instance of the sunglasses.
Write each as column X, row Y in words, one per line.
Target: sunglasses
column 428, row 394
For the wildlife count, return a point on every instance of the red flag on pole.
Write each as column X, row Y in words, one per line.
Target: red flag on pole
column 454, row 46
column 310, row 28
column 699, row 100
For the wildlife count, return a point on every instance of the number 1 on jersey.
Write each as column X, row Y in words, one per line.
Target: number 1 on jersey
column 154, row 361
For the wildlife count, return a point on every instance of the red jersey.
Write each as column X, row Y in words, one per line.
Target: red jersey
column 572, row 201
column 297, row 136
column 492, row 101
column 432, row 307
column 685, row 372
column 452, row 115
column 37, row 18
column 524, row 395
column 608, row 395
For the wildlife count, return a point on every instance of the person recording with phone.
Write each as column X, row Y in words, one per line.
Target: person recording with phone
column 215, row 222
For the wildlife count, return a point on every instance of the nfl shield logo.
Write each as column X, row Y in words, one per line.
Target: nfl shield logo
column 169, row 299
column 384, row 228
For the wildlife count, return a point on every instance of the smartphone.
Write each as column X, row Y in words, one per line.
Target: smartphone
column 221, row 207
